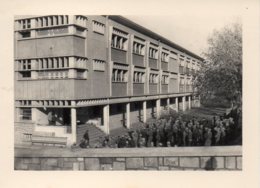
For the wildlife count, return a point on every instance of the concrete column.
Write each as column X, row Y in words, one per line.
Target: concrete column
column 189, row 102
column 158, row 108
column 34, row 115
column 199, row 102
column 144, row 112
column 176, row 104
column 106, row 118
column 128, row 115
column 73, row 124
column 72, row 73
column 168, row 103
column 183, row 103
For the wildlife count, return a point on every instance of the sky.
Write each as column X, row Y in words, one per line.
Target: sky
column 191, row 29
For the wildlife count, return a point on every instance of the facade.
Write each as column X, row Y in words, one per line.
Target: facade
column 105, row 70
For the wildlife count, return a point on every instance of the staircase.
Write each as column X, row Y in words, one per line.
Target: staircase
column 93, row 131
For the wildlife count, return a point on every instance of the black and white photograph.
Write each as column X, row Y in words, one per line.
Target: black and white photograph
column 131, row 94
column 102, row 92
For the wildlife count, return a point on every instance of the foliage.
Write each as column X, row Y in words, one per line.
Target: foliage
column 221, row 74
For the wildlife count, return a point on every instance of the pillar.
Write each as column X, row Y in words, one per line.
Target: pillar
column 199, row 102
column 106, row 118
column 128, row 115
column 158, row 108
column 189, row 98
column 168, row 103
column 176, row 104
column 74, row 125
column 183, row 103
column 144, row 112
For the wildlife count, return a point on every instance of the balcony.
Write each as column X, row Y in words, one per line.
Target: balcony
column 118, row 55
column 119, row 89
column 153, row 63
column 138, row 88
column 138, row 60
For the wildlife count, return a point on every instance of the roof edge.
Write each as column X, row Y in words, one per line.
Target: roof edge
column 124, row 21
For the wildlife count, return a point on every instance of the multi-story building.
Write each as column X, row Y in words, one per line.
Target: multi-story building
column 108, row 70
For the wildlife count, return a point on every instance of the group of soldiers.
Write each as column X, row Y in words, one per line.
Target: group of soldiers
column 175, row 132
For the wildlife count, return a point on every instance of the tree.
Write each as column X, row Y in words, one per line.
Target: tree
column 221, row 74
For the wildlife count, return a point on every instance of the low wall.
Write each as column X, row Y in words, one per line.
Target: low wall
column 188, row 158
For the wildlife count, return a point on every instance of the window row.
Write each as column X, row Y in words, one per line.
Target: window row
column 48, row 32
column 50, row 63
column 54, row 74
column 48, row 21
column 138, row 77
column 98, row 27
column 119, row 75
column 99, row 65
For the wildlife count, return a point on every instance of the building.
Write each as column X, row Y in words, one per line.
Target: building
column 108, row 70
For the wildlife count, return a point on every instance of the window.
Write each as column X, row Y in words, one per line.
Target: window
column 165, row 57
column 25, row 34
column 119, row 75
column 26, row 74
column 119, row 39
column 26, row 114
column 98, row 27
column 98, row 65
column 138, row 77
column 165, row 79
column 153, row 53
column 25, row 64
column 138, row 46
column 153, row 78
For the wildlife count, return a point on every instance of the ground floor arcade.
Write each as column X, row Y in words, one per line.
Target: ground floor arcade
column 70, row 121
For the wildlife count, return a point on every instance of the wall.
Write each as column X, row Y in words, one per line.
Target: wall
column 138, row 60
column 138, row 88
column 188, row 158
column 119, row 89
column 45, row 89
column 53, row 46
column 118, row 55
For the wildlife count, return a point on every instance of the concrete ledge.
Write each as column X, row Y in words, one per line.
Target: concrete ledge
column 186, row 158
column 131, row 152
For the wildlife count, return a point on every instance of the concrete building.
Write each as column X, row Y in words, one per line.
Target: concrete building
column 108, row 70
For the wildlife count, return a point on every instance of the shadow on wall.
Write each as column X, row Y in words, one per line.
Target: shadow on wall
column 211, row 164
